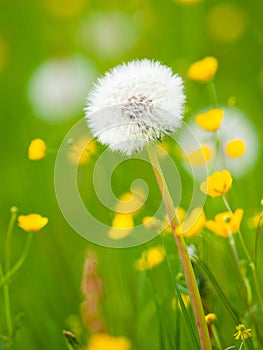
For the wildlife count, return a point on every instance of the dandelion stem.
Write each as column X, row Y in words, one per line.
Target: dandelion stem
column 182, row 250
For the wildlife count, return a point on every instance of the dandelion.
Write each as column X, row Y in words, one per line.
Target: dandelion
column 150, row 258
column 210, row 318
column 218, row 184
column 32, row 222
column 225, row 223
column 204, row 70
column 136, row 103
column 211, row 120
column 242, row 333
column 37, row 149
column 103, row 341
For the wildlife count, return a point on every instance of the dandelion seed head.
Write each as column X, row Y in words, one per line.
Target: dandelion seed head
column 146, row 103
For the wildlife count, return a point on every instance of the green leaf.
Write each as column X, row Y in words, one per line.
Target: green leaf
column 71, row 340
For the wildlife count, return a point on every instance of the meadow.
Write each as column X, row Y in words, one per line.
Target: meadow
column 117, row 282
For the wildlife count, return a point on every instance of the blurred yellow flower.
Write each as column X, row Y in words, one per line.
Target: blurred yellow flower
column 131, row 202
column 193, row 224
column 65, row 8
column 203, row 70
column 242, row 332
column 103, row 341
column 210, row 318
column 176, row 303
column 37, row 149
column 151, row 222
column 256, row 220
column 211, row 120
column 82, row 150
column 179, row 215
column 150, row 258
column 122, row 225
column 227, row 22
column 32, row 222
column 235, row 148
column 225, row 223
column 217, row 184
column 199, row 156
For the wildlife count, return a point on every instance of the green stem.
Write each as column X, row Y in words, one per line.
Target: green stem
column 217, row 340
column 248, row 256
column 212, row 92
column 257, row 238
column 12, row 272
column 182, row 250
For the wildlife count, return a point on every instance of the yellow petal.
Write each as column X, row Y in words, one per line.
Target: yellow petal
column 122, row 225
column 32, row 222
column 217, row 184
column 216, row 228
column 193, row 224
column 203, row 70
column 211, row 120
column 199, row 156
column 235, row 148
column 37, row 149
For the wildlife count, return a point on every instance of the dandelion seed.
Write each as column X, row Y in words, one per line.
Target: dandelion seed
column 218, row 184
column 32, row 222
column 210, row 318
column 204, row 70
column 150, row 258
column 225, row 223
column 37, row 149
column 242, row 333
column 211, row 120
column 139, row 102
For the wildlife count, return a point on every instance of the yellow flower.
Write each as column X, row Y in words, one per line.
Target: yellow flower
column 82, row 151
column 176, row 303
column 217, row 184
column 103, row 341
column 256, row 220
column 180, row 215
column 242, row 332
column 151, row 222
column 150, row 258
column 193, row 224
column 210, row 318
column 204, row 70
column 211, row 120
column 32, row 222
column 37, row 149
column 235, row 148
column 122, row 225
column 131, row 202
column 225, row 223
column 199, row 156
column 188, row 2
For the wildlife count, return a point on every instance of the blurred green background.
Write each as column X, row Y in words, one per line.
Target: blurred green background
column 100, row 34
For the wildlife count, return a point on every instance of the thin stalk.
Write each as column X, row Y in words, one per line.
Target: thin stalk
column 182, row 250
column 12, row 272
column 257, row 238
column 212, row 92
column 248, row 256
column 8, row 317
column 217, row 340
